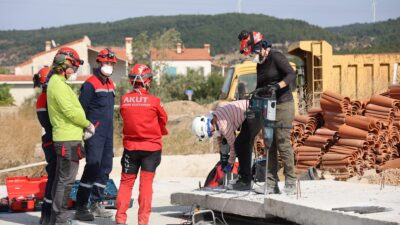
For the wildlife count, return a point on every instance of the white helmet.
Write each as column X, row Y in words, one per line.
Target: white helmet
column 201, row 126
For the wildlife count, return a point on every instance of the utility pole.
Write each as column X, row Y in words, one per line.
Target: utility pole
column 373, row 11
column 239, row 6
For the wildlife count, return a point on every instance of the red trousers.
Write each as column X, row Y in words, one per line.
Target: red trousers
column 145, row 196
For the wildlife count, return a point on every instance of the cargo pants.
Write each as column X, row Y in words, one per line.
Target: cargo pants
column 68, row 155
column 281, row 143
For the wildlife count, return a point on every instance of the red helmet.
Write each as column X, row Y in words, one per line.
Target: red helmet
column 106, row 55
column 40, row 78
column 250, row 41
column 140, row 73
column 71, row 55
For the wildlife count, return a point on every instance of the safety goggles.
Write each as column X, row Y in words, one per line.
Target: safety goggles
column 110, row 55
column 71, row 54
column 138, row 76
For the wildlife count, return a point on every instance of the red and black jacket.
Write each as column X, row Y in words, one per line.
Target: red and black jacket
column 43, row 117
column 144, row 120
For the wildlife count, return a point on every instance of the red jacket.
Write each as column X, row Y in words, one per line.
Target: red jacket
column 144, row 121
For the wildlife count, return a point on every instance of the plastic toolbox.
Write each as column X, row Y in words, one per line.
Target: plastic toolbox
column 25, row 194
column 110, row 195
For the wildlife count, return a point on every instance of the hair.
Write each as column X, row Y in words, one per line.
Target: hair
column 58, row 70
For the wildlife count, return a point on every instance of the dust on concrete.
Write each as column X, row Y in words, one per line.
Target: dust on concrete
column 387, row 177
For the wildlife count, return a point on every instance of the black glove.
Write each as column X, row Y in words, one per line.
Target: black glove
column 273, row 87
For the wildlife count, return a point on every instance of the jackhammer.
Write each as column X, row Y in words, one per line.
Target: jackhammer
column 265, row 107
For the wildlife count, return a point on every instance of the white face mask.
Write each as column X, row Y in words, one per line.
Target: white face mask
column 107, row 70
column 72, row 76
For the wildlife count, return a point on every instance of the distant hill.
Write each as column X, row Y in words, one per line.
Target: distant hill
column 371, row 37
column 218, row 30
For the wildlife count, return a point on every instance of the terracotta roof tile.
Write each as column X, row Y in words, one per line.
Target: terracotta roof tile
column 187, row 54
column 8, row 77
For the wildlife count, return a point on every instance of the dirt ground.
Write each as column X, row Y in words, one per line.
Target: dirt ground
column 21, row 132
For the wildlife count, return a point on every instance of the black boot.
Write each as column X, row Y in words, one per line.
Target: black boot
column 83, row 214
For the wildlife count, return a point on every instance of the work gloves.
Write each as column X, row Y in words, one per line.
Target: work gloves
column 273, row 87
column 89, row 131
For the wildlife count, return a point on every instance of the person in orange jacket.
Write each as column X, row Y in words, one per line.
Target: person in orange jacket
column 144, row 122
column 39, row 80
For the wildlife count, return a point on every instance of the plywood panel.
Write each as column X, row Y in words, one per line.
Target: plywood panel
column 349, row 81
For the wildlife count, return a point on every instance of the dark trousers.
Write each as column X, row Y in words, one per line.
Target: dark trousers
column 99, row 159
column 245, row 141
column 68, row 155
column 51, row 159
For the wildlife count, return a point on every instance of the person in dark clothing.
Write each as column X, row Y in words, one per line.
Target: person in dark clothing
column 97, row 99
column 39, row 80
column 275, row 72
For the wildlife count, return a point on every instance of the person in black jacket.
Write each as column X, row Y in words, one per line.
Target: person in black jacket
column 275, row 72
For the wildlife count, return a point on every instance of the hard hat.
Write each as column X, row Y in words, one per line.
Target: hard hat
column 140, row 73
column 250, row 42
column 201, row 126
column 71, row 55
column 106, row 55
column 40, row 77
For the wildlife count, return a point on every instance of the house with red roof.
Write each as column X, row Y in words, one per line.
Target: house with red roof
column 180, row 60
column 21, row 81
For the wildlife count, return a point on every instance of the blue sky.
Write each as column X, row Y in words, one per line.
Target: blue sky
column 34, row 14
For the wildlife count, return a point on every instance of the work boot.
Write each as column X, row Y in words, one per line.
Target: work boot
column 83, row 214
column 271, row 190
column 290, row 189
column 68, row 222
column 46, row 220
column 98, row 210
column 240, row 185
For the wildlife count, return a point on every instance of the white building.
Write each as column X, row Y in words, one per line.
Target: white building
column 178, row 61
column 21, row 81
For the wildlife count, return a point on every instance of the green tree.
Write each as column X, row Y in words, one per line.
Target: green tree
column 141, row 49
column 205, row 89
column 5, row 96
column 4, row 70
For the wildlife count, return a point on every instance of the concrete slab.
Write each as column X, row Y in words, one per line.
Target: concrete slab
column 318, row 198
column 315, row 205
column 234, row 202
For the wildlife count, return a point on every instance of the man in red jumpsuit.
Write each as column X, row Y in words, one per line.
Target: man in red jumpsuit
column 144, row 124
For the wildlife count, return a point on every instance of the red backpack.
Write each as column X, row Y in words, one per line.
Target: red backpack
column 216, row 175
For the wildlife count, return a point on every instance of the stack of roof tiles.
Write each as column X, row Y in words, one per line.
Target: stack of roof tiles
column 355, row 136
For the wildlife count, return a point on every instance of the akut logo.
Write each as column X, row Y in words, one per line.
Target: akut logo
column 135, row 99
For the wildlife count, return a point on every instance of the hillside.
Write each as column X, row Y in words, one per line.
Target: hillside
column 218, row 30
column 371, row 37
